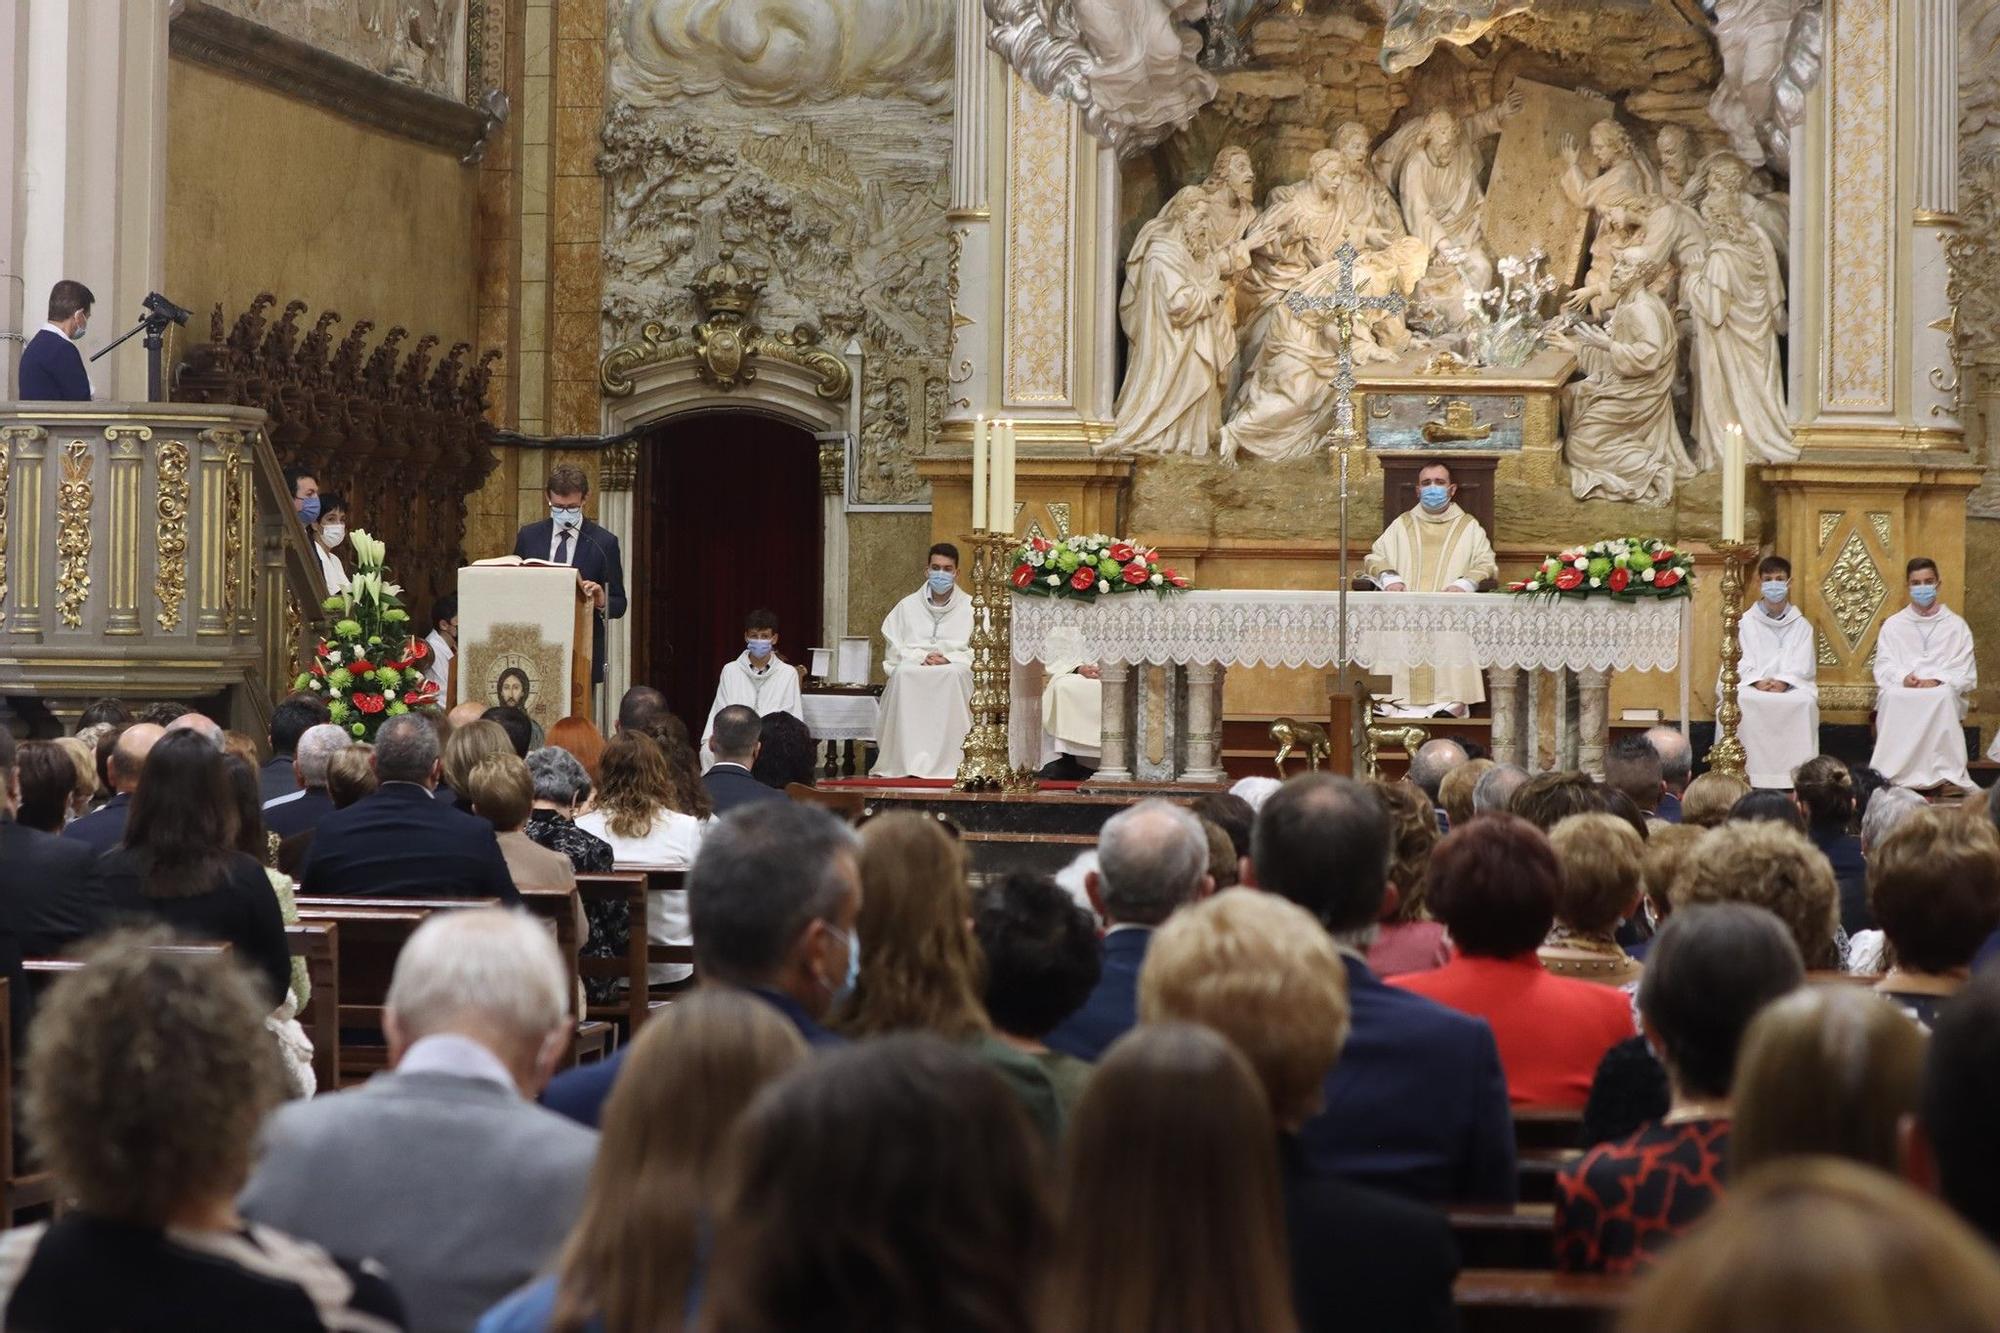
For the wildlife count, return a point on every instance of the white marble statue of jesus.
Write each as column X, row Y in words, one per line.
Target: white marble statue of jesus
column 1439, row 171
column 927, row 654
column 1735, row 296
column 1777, row 681
column 1623, row 443
column 1924, row 678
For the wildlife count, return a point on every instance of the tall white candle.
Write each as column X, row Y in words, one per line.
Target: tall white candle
column 979, row 482
column 1732, row 483
column 1003, row 483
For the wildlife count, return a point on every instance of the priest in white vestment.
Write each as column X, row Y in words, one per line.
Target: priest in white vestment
column 1778, row 681
column 1924, row 678
column 758, row 678
column 1072, row 707
column 1435, row 547
column 927, row 653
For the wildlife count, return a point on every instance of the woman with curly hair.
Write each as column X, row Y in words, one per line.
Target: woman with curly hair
column 1407, row 940
column 642, row 811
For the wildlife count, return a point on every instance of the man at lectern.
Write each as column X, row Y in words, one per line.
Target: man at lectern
column 566, row 537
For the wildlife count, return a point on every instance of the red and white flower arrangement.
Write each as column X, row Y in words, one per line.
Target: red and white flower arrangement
column 369, row 667
column 1091, row 566
column 1626, row 569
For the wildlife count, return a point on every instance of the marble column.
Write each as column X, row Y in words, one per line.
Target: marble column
column 1115, row 762
column 1593, row 720
column 1204, row 723
column 1509, row 715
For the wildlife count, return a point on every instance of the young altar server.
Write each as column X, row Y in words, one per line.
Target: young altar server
column 1778, row 681
column 758, row 678
column 1072, row 708
column 1924, row 676
column 927, row 653
column 1435, row 547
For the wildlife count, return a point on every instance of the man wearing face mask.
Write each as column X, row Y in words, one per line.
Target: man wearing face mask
column 51, row 367
column 1924, row 678
column 566, row 537
column 757, row 678
column 927, row 654
column 1779, row 689
column 1435, row 547
column 305, row 494
column 328, row 534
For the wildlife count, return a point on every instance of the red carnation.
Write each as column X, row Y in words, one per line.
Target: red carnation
column 318, row 670
column 1023, row 575
column 1084, row 579
column 1667, row 578
column 369, row 703
column 1619, row 579
column 1569, row 579
column 1136, row 573
column 324, row 648
column 1122, row 552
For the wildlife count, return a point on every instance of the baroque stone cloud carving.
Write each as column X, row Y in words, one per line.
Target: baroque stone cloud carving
column 706, row 150
column 1129, row 65
column 1771, row 59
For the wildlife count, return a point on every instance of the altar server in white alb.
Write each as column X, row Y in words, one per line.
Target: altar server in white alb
column 758, row 678
column 1435, row 547
column 1779, row 681
column 1072, row 708
column 927, row 653
column 1924, row 678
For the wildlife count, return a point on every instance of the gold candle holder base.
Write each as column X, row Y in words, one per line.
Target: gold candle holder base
column 1726, row 755
column 987, row 762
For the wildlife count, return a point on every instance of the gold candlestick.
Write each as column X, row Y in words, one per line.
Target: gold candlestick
column 986, row 763
column 1726, row 754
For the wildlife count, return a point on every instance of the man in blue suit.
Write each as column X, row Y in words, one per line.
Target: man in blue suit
column 51, row 367
column 566, row 537
column 1151, row 858
column 1417, row 1104
column 399, row 841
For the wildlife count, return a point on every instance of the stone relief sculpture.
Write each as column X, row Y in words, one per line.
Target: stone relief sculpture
column 1771, row 60
column 418, row 42
column 1623, row 442
column 1736, row 296
column 1177, row 311
column 1130, row 66
column 1439, row 175
column 1415, row 27
column 784, row 52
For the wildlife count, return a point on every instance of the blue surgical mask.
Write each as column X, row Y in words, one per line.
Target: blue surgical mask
column 1923, row 594
column 1434, row 497
column 853, row 942
column 758, row 647
column 1776, row 591
column 941, row 581
column 77, row 335
column 309, row 510
column 566, row 518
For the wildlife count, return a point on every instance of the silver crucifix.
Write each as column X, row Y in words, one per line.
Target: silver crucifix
column 1343, row 303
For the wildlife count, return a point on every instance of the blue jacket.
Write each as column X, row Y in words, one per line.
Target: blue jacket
column 594, row 556
column 1417, row 1104
column 1113, row 1008
column 730, row 786
column 397, row 842
column 52, row 370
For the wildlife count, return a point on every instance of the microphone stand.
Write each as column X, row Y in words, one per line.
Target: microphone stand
column 155, row 328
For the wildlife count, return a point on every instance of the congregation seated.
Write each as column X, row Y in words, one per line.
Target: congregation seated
column 915, row 966
column 1259, row 971
column 523, row 733
column 1041, row 964
column 773, row 900
column 253, row 842
column 1676, row 769
column 463, row 750
column 1824, row 789
column 639, row 1244
column 1408, row 938
column 1151, row 859
column 562, row 787
column 735, row 738
column 890, row 1185
column 1709, row 798
column 1547, row 799
column 1768, row 865
column 180, row 864
column 1712, row 969
column 644, row 810
column 104, row 828
column 1494, row 792
column 786, row 753
column 445, row 1163
column 148, row 1075
column 1229, row 812
column 305, row 807
column 502, row 794
column 350, row 775
column 399, row 841
column 1417, row 1104
column 1434, row 761
column 579, row 737
column 1455, row 793
column 1223, row 862
column 1632, row 768
column 50, row 892
column 1934, row 884
column 1770, row 807
column 53, row 791
column 290, row 721
column 1602, row 886
column 1951, row 1150
column 1171, row 1157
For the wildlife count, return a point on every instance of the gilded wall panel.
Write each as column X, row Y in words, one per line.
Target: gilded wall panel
column 1860, row 81
column 1040, row 142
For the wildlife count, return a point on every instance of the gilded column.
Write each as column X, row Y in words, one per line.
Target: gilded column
column 617, row 473
column 27, row 502
column 127, row 447
column 1935, row 217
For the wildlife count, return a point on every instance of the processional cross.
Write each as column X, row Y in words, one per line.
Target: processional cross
column 1343, row 303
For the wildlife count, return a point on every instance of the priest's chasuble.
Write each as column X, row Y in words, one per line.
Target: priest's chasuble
column 926, row 710
column 1919, row 731
column 1442, row 552
column 1072, row 705
column 775, row 689
column 1780, row 728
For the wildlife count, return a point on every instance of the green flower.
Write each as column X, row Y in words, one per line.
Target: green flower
column 1066, row 561
column 1107, row 566
column 304, row 681
column 359, row 729
column 338, row 711
column 334, row 604
column 347, row 629
column 395, row 616
column 413, row 677
column 398, row 708
column 389, row 678
column 1600, row 567
column 340, row 678
column 374, row 641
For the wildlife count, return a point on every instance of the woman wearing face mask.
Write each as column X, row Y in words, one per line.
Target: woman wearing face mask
column 758, row 678
column 328, row 535
column 1779, row 692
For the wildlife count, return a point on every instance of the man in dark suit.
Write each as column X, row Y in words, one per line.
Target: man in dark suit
column 104, row 828
column 1417, row 1104
column 734, row 742
column 1676, row 768
column 50, row 895
column 289, row 720
column 1151, row 858
column 399, row 842
column 51, row 367
column 773, row 899
column 307, row 807
column 566, row 537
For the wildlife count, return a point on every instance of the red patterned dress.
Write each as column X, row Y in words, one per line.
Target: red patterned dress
column 1624, row 1203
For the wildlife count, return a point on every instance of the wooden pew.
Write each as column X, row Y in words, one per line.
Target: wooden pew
column 318, row 942
column 1535, row 1170
column 1496, row 1236
column 1548, row 1127
column 849, row 805
column 372, row 932
column 1500, row 1301
column 630, row 886
column 19, row 1189
column 563, row 910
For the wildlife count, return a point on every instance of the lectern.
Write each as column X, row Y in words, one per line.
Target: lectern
column 523, row 639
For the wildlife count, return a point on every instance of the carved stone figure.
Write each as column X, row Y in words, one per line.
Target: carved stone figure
column 1648, row 229
column 1623, row 173
column 1678, row 154
column 1623, row 442
column 1439, row 172
column 1129, row 65
column 1771, row 59
column 1736, row 297
column 1176, row 311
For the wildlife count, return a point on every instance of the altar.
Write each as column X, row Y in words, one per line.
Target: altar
column 1166, row 724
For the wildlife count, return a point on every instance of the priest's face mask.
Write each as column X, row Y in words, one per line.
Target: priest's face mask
column 1435, row 488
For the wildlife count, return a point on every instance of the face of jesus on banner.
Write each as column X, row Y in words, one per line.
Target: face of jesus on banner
column 511, row 688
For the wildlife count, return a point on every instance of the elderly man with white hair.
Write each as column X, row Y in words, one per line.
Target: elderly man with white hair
column 444, row 1168
column 292, row 814
column 1151, row 859
column 1676, row 768
column 201, row 724
column 1494, row 793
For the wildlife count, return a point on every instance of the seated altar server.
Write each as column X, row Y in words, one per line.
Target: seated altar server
column 1778, row 685
column 1435, row 547
column 1072, row 705
column 1924, row 676
column 758, row 678
column 927, row 653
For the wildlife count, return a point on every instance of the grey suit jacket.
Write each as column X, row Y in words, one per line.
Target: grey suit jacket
column 460, row 1188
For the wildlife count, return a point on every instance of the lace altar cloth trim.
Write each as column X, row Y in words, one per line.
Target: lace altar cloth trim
column 842, row 717
column 1384, row 630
